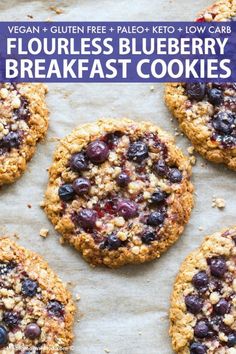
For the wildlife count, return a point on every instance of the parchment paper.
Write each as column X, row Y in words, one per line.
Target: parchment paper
column 122, row 311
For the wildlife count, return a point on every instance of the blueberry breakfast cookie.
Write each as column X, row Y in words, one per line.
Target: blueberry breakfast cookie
column 119, row 191
column 203, row 306
column 36, row 310
column 207, row 112
column 23, row 121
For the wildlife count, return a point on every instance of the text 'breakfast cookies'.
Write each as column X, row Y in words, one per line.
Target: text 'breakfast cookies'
column 207, row 112
column 23, row 122
column 36, row 310
column 119, row 191
column 203, row 303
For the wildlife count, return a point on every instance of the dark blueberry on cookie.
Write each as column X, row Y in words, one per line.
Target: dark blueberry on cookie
column 232, row 339
column 193, row 303
column 11, row 140
column 29, row 287
column 218, row 266
column 55, row 308
column 160, row 168
column 198, row 348
column 81, row 185
column 175, row 176
column 201, row 329
column 215, row 96
column 200, row 280
column 11, row 319
column 66, row 192
column 113, row 242
column 78, row 162
column 138, row 151
column 148, row 237
column 156, row 218
column 97, row 151
column 32, row 331
column 127, row 208
column 158, row 197
column 22, row 112
column 223, row 122
column 196, row 91
column 222, row 307
column 3, row 337
column 5, row 268
column 87, row 218
column 123, row 179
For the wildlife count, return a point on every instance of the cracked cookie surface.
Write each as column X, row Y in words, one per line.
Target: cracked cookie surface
column 203, row 315
column 23, row 122
column 119, row 191
column 207, row 112
column 36, row 312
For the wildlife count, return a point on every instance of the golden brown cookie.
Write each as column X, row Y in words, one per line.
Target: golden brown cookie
column 119, row 191
column 36, row 309
column 203, row 305
column 207, row 112
column 23, row 122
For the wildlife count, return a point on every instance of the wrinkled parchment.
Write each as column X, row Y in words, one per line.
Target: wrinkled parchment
column 122, row 311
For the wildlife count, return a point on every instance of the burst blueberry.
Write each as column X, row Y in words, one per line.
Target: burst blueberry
column 11, row 140
column 200, row 280
column 222, row 307
column 138, row 151
column 215, row 96
column 198, row 348
column 196, row 91
column 160, row 168
column 113, row 242
column 97, row 151
column 127, row 208
column 224, row 122
column 11, row 319
column 66, row 192
column 175, row 176
column 55, row 309
column 78, row 162
column 29, row 287
column 87, row 218
column 232, row 339
column 148, row 237
column 158, row 197
column 81, row 185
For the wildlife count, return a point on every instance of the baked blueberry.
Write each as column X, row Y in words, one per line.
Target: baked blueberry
column 175, row 176
column 148, row 237
column 138, row 151
column 81, row 185
column 32, row 331
column 156, row 218
column 66, row 192
column 193, row 303
column 78, row 162
column 23, row 112
column 123, row 179
column 113, row 242
column 11, row 140
column 198, row 348
column 232, row 339
column 201, row 329
column 215, row 96
column 11, row 319
column 87, row 218
column 200, row 280
column 127, row 208
column 160, row 168
column 3, row 337
column 158, row 197
column 97, row 151
column 55, row 308
column 224, row 122
column 218, row 266
column 29, row 287
column 222, row 307
column 196, row 91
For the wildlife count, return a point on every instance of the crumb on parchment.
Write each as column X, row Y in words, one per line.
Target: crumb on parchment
column 218, row 203
column 44, row 232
